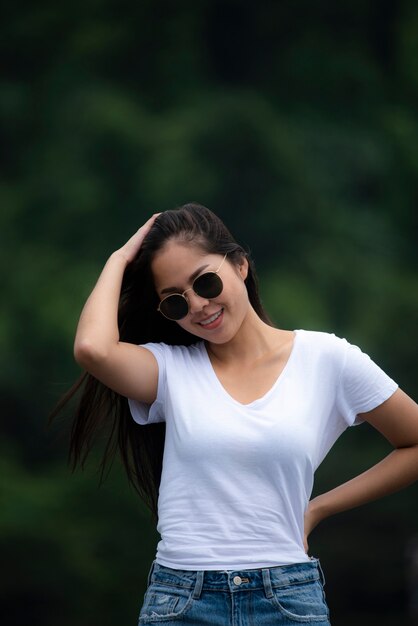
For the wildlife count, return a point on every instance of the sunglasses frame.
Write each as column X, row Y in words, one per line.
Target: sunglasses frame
column 191, row 289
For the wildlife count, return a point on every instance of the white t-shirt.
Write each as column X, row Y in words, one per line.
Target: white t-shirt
column 237, row 478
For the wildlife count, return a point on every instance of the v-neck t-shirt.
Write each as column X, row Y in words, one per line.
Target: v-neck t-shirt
column 237, row 478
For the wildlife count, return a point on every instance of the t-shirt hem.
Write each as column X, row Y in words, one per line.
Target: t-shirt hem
column 245, row 565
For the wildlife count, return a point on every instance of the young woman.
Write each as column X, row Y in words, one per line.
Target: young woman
column 222, row 420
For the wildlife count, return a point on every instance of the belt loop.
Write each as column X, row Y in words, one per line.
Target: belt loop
column 321, row 573
column 151, row 572
column 267, row 582
column 199, row 584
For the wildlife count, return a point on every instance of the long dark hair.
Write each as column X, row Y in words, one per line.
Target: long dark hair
column 101, row 409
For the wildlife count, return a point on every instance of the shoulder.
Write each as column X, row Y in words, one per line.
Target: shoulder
column 321, row 341
column 324, row 350
column 177, row 352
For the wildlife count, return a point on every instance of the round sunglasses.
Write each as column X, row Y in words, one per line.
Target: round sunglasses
column 208, row 285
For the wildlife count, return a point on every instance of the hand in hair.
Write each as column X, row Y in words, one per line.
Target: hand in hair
column 133, row 245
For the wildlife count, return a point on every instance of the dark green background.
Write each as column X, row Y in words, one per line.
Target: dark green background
column 296, row 122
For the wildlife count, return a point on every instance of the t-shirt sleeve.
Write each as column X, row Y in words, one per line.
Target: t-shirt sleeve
column 363, row 385
column 142, row 412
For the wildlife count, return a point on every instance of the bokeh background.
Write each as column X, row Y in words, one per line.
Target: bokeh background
column 296, row 121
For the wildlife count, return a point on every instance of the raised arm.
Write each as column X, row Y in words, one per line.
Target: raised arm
column 126, row 368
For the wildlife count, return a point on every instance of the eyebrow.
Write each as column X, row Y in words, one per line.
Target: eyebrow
column 191, row 279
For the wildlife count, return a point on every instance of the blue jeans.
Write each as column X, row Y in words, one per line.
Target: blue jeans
column 285, row 595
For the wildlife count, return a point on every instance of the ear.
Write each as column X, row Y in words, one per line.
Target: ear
column 243, row 268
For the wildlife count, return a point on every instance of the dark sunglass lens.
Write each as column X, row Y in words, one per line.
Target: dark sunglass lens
column 174, row 307
column 208, row 285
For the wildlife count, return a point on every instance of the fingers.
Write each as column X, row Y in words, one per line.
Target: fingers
column 153, row 218
column 133, row 245
column 145, row 228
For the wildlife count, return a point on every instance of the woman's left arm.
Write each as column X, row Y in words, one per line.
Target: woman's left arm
column 397, row 420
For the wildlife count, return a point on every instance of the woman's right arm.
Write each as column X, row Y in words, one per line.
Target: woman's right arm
column 126, row 368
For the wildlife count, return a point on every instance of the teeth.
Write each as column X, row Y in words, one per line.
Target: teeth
column 212, row 318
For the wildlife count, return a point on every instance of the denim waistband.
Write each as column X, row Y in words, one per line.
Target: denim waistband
column 266, row 578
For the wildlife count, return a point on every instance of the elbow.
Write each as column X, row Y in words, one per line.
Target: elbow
column 87, row 353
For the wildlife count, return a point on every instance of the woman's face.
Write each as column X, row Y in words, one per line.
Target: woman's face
column 175, row 267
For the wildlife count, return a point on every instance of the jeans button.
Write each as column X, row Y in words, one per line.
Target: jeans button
column 237, row 580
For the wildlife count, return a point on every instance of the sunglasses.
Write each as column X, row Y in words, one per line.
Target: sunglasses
column 208, row 285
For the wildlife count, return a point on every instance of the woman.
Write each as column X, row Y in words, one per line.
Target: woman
column 238, row 415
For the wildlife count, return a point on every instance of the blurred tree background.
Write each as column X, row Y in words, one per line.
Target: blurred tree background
column 296, row 122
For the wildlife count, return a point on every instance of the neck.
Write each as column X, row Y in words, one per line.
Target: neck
column 253, row 341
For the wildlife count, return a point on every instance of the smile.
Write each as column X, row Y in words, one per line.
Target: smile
column 211, row 319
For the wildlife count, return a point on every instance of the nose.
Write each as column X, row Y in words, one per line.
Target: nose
column 196, row 303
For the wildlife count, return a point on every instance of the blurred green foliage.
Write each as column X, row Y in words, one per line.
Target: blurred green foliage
column 295, row 122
